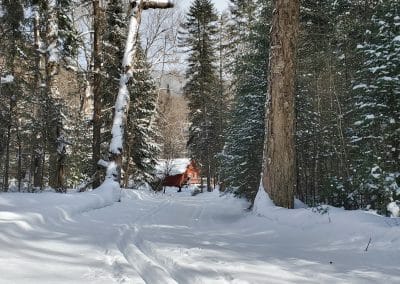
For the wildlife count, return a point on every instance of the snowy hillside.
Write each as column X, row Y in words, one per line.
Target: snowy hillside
column 177, row 238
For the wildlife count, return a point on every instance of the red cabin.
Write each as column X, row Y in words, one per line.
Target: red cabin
column 178, row 172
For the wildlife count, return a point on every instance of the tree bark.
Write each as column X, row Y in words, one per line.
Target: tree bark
column 8, row 142
column 38, row 136
column 55, row 124
column 279, row 168
column 97, row 103
column 19, row 143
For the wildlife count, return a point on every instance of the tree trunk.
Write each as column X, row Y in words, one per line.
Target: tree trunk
column 56, row 139
column 97, row 103
column 38, row 136
column 8, row 142
column 279, row 168
column 19, row 142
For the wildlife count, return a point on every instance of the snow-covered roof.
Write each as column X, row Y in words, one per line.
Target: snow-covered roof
column 171, row 167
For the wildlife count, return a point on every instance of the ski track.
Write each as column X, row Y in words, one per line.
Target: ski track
column 129, row 244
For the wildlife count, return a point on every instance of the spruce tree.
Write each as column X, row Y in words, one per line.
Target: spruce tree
column 242, row 154
column 327, row 63
column 199, row 37
column 375, row 134
column 112, row 53
column 11, row 20
column 142, row 151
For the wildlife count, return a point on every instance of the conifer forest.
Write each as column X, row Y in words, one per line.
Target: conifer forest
column 247, row 108
column 61, row 64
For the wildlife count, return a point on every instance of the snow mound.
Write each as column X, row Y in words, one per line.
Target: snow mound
column 58, row 207
column 262, row 202
column 394, row 208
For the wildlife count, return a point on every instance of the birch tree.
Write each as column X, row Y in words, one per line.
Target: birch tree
column 122, row 100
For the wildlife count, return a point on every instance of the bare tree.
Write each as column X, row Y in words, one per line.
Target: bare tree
column 173, row 124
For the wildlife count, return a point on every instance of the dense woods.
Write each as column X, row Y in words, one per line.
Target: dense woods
column 203, row 84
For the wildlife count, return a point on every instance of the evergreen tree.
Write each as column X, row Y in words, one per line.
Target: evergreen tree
column 201, row 88
column 327, row 62
column 112, row 53
column 375, row 134
column 242, row 154
column 142, row 151
column 11, row 20
column 56, row 41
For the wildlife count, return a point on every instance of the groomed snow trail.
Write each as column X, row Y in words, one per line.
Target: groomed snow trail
column 176, row 238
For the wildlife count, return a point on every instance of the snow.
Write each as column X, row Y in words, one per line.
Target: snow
column 7, row 79
column 122, row 101
column 360, row 86
column 393, row 207
column 375, row 172
column 52, row 49
column 179, row 238
column 262, row 202
column 121, row 108
column 397, row 38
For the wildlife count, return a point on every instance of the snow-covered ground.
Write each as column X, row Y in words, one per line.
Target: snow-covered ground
column 179, row 238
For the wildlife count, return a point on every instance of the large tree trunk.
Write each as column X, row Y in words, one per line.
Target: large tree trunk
column 97, row 104
column 279, row 178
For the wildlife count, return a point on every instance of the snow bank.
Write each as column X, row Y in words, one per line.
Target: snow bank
column 394, row 208
column 105, row 195
column 39, row 208
column 262, row 202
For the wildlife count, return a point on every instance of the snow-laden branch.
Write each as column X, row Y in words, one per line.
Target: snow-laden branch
column 7, row 79
column 157, row 4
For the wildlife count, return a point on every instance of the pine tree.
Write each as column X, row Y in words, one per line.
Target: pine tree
column 16, row 95
column 201, row 87
column 327, row 62
column 242, row 154
column 142, row 151
column 113, row 41
column 317, row 104
column 375, row 134
column 55, row 40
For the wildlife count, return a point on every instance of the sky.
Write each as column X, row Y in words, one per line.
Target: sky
column 219, row 4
